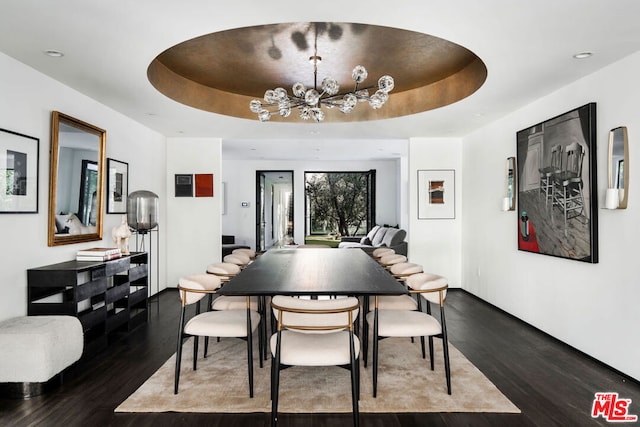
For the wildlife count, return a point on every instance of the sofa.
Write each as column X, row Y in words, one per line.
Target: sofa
column 378, row 237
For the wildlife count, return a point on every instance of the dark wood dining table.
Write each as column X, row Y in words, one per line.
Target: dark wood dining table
column 313, row 272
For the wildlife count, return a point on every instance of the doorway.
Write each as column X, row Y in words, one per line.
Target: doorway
column 274, row 208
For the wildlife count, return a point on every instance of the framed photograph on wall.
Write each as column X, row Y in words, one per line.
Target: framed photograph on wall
column 117, row 186
column 19, row 158
column 184, row 185
column 436, row 194
column 557, row 186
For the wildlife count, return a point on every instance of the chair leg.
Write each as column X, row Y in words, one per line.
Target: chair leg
column 195, row 352
column 178, row 363
column 179, row 353
column 275, row 382
column 365, row 341
column 250, row 353
column 424, row 355
column 206, row 346
column 375, row 353
column 265, row 310
column 445, row 350
column 431, row 353
column 273, row 373
column 358, row 377
column 260, row 342
column 355, row 388
column 564, row 205
column 260, row 327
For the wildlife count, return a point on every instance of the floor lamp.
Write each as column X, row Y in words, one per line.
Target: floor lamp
column 142, row 216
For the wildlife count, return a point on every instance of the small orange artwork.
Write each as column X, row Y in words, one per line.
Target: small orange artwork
column 436, row 192
column 204, row 184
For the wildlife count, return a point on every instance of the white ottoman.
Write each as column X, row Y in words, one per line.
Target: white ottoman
column 34, row 349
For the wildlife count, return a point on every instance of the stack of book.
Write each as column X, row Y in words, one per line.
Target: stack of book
column 98, row 254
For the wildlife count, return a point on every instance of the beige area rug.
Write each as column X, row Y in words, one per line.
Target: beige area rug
column 405, row 384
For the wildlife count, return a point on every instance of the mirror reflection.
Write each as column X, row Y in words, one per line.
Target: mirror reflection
column 619, row 163
column 76, row 182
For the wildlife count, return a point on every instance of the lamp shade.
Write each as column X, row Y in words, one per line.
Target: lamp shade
column 142, row 210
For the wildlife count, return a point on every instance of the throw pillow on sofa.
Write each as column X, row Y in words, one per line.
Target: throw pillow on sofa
column 367, row 240
column 393, row 237
column 377, row 239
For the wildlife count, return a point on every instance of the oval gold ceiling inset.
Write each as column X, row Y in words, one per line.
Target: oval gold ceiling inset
column 222, row 72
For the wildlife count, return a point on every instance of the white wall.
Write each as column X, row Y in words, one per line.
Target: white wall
column 27, row 100
column 240, row 178
column 194, row 237
column 436, row 243
column 593, row 307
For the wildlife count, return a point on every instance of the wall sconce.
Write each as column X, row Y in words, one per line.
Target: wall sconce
column 618, row 177
column 509, row 201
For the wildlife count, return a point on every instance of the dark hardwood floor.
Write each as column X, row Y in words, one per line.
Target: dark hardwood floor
column 551, row 383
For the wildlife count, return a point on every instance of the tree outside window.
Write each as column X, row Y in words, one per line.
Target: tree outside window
column 340, row 203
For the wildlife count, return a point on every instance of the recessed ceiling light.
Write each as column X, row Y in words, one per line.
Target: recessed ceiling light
column 583, row 55
column 53, row 53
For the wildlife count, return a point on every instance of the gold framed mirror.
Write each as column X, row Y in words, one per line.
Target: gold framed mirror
column 76, row 180
column 618, row 175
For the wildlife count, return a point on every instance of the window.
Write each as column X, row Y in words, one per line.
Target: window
column 341, row 203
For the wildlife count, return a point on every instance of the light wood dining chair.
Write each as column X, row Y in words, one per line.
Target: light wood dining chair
column 228, row 323
column 546, row 172
column 567, row 183
column 315, row 333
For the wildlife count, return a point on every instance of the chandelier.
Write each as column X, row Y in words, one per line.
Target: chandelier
column 309, row 101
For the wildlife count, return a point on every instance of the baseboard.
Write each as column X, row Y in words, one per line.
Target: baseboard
column 568, row 346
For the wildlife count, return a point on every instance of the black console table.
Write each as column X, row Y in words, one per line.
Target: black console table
column 108, row 297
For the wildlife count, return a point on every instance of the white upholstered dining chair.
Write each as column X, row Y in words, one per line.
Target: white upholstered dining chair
column 246, row 251
column 315, row 333
column 388, row 260
column 239, row 259
column 413, row 323
column 226, row 271
column 228, row 323
column 380, row 252
column 402, row 270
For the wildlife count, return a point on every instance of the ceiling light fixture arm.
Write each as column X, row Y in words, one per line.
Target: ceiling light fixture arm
column 310, row 101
